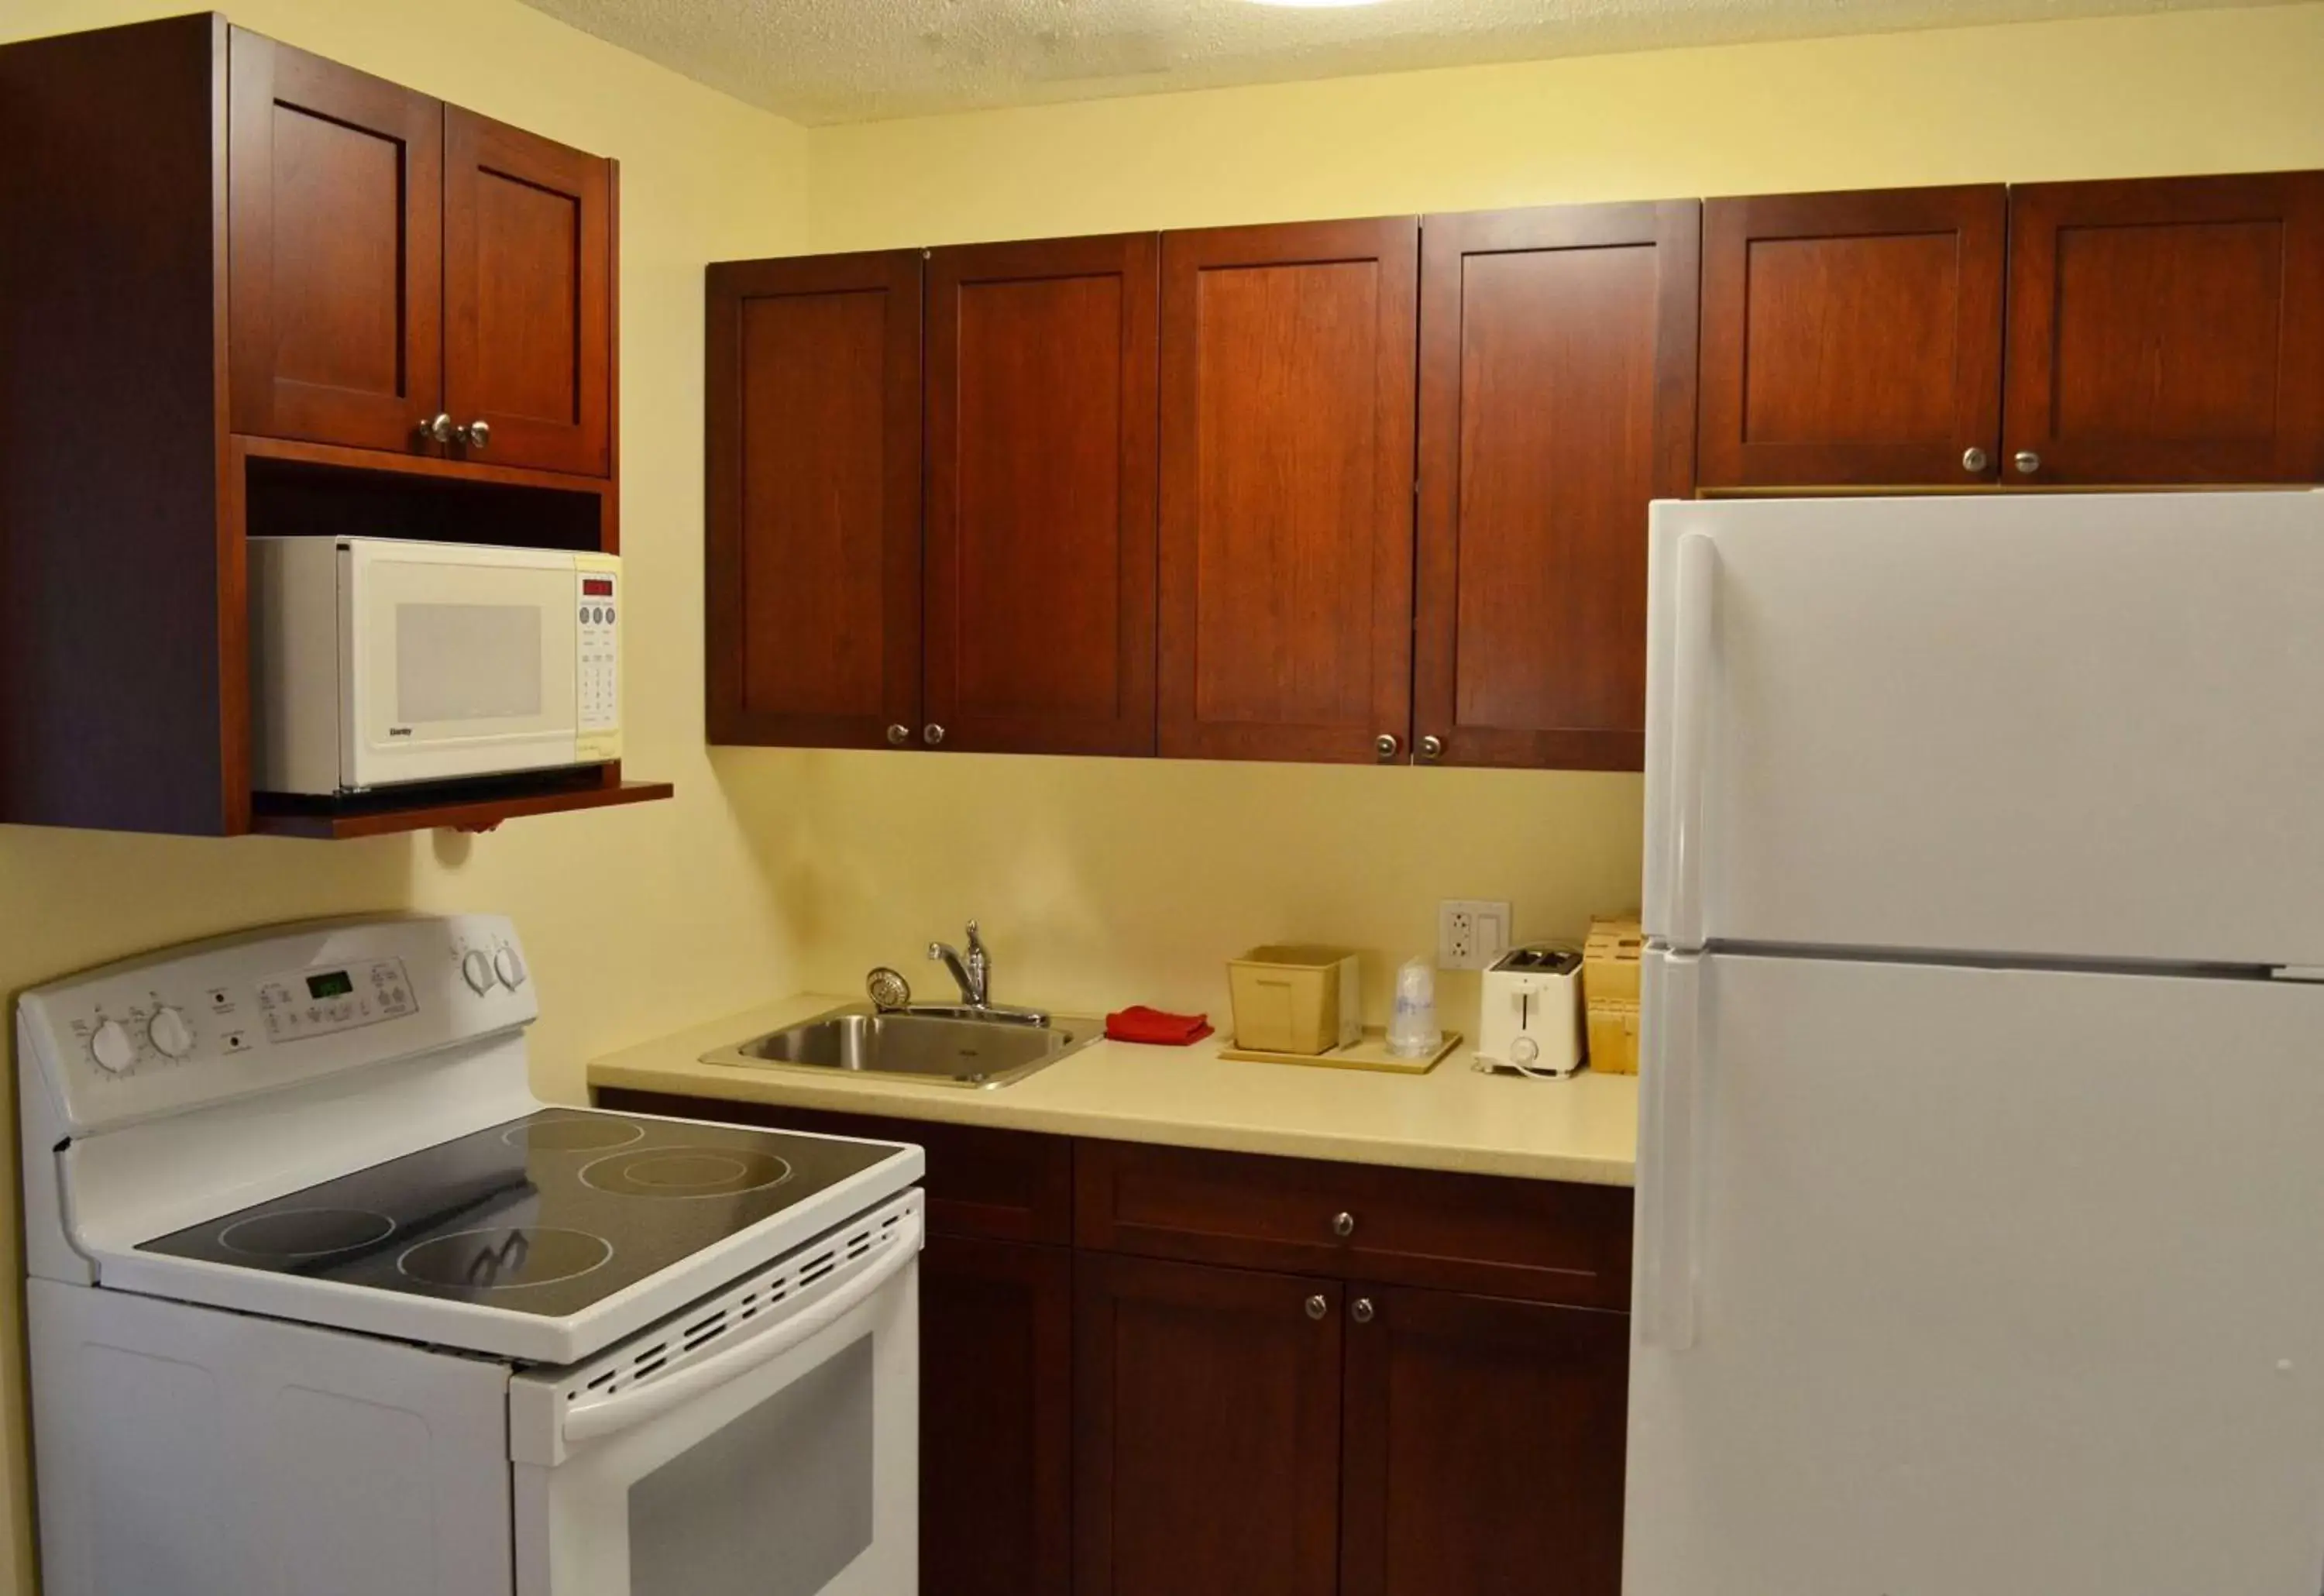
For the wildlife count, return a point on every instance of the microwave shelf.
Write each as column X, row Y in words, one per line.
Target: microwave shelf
column 465, row 805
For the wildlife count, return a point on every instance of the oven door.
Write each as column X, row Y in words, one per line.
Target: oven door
column 460, row 660
column 764, row 1442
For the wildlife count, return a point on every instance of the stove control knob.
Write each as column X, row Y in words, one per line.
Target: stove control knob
column 478, row 969
column 171, row 1037
column 112, row 1048
column 509, row 968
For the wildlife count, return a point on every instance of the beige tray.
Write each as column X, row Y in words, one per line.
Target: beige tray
column 1372, row 1052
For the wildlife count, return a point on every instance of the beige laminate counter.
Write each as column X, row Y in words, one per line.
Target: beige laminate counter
column 1583, row 1129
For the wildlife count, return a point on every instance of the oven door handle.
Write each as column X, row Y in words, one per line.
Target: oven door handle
column 588, row 1421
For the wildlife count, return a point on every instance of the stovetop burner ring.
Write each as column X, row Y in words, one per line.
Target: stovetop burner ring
column 573, row 1134
column 305, row 1232
column 686, row 1172
column 504, row 1257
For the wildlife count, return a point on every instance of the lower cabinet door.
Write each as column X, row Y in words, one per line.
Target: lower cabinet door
column 996, row 1426
column 1484, row 1445
column 1207, row 1431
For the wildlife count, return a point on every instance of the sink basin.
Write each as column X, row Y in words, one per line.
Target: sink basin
column 946, row 1046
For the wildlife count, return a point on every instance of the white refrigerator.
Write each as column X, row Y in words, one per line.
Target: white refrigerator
column 1980, row 1245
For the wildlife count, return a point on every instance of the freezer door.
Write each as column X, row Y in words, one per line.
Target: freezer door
column 1985, row 1281
column 2087, row 726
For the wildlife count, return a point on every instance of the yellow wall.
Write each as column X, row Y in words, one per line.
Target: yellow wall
column 1102, row 881
column 636, row 918
column 2196, row 91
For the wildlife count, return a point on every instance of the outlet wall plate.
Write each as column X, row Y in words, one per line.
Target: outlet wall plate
column 1470, row 932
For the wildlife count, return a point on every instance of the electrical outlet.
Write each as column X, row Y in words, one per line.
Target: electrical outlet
column 1470, row 932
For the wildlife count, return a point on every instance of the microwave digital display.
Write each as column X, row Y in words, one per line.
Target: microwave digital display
column 596, row 588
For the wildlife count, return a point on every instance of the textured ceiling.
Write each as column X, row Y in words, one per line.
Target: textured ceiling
column 857, row 60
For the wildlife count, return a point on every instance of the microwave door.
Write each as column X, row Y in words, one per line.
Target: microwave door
column 463, row 662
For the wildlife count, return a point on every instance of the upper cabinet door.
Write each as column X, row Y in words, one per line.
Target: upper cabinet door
column 1041, row 389
column 1287, row 490
column 2167, row 329
column 1852, row 339
column 813, row 500
column 528, row 297
column 1557, row 371
column 336, row 288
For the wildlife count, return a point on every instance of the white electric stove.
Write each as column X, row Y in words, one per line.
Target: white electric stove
column 323, row 1302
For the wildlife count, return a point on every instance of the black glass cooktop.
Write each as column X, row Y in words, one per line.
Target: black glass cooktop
column 545, row 1214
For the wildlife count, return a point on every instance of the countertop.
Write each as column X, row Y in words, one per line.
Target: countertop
column 1583, row 1129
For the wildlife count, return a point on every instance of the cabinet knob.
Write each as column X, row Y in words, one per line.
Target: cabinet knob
column 1318, row 1305
column 1432, row 749
column 477, row 434
column 2026, row 461
column 1361, row 1310
column 899, row 735
column 1343, row 1225
column 437, row 428
column 1975, row 459
column 1385, row 745
column 932, row 734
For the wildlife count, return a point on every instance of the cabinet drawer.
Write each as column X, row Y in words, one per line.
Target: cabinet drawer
column 1535, row 1239
column 1006, row 1185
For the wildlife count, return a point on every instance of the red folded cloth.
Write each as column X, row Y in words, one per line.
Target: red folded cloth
column 1155, row 1029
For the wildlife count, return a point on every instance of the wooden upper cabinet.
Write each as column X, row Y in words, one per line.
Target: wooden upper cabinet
column 1286, row 551
column 1557, row 372
column 1206, row 1415
column 1041, row 392
column 1484, row 1447
column 813, row 500
column 335, row 208
column 2167, row 330
column 528, row 296
column 1852, row 339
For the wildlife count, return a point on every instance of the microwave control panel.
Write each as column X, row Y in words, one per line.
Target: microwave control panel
column 597, row 579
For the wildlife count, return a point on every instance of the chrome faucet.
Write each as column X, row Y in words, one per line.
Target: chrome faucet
column 974, row 975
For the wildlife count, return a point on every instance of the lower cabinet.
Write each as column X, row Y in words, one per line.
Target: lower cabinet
column 996, row 1426
column 1279, row 1435
column 1483, row 1447
column 1206, row 1417
column 1151, row 1372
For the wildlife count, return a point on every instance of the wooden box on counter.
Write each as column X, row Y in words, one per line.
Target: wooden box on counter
column 1610, row 993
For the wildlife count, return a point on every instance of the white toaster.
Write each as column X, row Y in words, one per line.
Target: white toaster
column 1531, row 1018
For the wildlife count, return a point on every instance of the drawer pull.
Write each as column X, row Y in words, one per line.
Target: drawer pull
column 1343, row 1225
column 1318, row 1305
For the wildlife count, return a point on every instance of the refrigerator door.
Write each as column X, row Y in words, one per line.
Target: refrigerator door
column 1965, row 1280
column 2081, row 726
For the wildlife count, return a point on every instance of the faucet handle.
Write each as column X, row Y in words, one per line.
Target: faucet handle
column 975, row 940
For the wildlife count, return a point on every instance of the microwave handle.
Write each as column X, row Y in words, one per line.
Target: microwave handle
column 589, row 1421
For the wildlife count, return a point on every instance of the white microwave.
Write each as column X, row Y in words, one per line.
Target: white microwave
column 379, row 660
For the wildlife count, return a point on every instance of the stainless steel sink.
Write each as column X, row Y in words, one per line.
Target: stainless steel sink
column 956, row 1047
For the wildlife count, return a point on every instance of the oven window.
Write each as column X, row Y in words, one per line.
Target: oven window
column 466, row 662
column 776, row 1503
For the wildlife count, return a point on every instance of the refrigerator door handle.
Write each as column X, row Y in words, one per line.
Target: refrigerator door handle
column 1670, row 1176
column 1693, row 641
